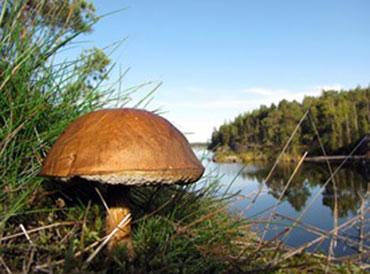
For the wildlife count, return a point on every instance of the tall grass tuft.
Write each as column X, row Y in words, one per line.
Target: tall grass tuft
column 39, row 96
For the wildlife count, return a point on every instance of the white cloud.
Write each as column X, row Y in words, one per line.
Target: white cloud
column 210, row 104
column 198, row 115
column 290, row 94
column 264, row 96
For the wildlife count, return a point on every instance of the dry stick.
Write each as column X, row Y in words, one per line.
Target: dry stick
column 353, row 257
column 362, row 223
column 250, row 198
column 307, row 245
column 318, row 231
column 58, row 232
column 266, row 227
column 264, row 244
column 38, row 229
column 102, row 199
column 335, row 211
column 267, row 209
column 278, row 158
column 30, row 260
column 202, row 219
column 26, row 234
column 261, row 245
column 71, row 232
column 123, row 222
column 324, row 185
column 236, row 262
column 104, row 239
column 77, row 254
column 5, row 265
column 26, row 269
column 233, row 180
column 154, row 211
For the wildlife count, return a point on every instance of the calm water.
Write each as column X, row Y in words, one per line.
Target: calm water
column 306, row 198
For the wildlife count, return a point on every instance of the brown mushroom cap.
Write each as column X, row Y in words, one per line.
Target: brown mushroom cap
column 123, row 146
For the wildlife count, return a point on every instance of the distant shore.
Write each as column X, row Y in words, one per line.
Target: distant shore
column 250, row 156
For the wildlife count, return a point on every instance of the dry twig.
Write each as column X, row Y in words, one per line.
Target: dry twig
column 123, row 222
column 38, row 229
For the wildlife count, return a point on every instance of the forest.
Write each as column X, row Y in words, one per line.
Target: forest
column 336, row 119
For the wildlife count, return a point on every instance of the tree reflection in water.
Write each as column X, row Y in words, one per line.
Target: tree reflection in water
column 351, row 184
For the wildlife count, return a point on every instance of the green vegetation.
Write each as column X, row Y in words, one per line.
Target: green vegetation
column 45, row 227
column 39, row 97
column 341, row 119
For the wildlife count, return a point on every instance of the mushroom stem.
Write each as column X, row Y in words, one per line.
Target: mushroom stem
column 118, row 209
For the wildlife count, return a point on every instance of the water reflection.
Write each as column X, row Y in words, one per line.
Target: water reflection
column 351, row 185
column 307, row 198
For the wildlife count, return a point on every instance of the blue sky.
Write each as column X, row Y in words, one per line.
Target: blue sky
column 217, row 58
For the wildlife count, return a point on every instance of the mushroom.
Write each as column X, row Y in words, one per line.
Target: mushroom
column 127, row 147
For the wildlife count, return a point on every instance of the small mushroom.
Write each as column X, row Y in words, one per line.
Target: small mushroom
column 128, row 147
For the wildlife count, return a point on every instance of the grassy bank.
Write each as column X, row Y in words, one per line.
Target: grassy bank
column 48, row 227
column 176, row 230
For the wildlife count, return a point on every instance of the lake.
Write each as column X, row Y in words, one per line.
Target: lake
column 307, row 198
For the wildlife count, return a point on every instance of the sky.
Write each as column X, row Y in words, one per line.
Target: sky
column 217, row 58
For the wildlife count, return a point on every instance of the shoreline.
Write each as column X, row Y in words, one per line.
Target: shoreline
column 250, row 157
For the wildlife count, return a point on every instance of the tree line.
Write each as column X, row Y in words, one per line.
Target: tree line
column 339, row 118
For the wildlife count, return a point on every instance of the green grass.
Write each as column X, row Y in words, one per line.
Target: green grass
column 178, row 229
column 39, row 98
